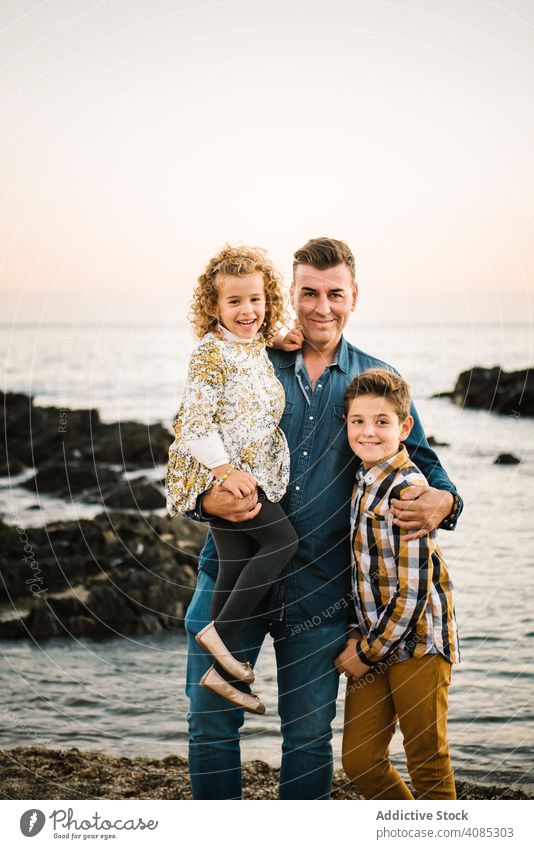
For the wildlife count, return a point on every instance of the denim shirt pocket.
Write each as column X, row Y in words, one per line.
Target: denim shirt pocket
column 338, row 429
column 286, row 415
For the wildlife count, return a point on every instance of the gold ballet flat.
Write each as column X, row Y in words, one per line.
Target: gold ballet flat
column 209, row 639
column 214, row 682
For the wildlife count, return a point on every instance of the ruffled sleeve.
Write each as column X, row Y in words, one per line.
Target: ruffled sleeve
column 197, row 418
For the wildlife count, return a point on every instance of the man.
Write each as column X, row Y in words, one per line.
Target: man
column 307, row 611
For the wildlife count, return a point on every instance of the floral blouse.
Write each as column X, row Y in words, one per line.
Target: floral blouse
column 232, row 390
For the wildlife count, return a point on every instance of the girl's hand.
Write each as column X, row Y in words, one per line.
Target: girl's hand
column 239, row 483
column 292, row 341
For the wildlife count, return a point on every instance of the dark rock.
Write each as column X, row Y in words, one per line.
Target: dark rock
column 41, row 622
column 132, row 445
column 508, row 393
column 135, row 495
column 37, row 435
column 72, row 478
column 507, row 460
column 115, row 574
column 434, row 443
column 10, row 466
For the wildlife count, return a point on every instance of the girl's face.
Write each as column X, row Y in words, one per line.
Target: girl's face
column 241, row 304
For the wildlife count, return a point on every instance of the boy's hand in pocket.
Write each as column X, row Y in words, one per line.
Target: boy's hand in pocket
column 348, row 662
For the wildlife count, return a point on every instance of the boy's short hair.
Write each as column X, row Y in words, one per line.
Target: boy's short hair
column 383, row 384
column 323, row 253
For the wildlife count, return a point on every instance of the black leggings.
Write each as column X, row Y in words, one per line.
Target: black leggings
column 251, row 556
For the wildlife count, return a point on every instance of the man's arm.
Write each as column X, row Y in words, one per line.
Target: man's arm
column 425, row 508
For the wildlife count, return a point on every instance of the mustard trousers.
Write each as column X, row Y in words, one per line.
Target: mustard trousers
column 415, row 692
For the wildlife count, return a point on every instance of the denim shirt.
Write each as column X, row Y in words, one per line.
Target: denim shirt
column 315, row 586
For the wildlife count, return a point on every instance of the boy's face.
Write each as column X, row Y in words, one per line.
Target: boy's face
column 241, row 303
column 374, row 429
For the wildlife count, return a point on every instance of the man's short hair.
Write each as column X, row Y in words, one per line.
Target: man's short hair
column 382, row 384
column 323, row 253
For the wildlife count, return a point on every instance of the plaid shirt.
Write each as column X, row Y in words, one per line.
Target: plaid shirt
column 402, row 590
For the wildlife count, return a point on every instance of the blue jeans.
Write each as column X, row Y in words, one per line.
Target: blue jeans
column 307, row 691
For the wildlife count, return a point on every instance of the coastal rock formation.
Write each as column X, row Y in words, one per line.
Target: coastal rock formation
column 506, row 460
column 508, row 393
column 37, row 773
column 78, row 439
column 116, row 574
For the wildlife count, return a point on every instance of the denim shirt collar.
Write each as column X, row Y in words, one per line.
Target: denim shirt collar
column 341, row 360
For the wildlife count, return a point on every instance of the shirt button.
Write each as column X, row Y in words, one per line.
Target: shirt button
column 311, row 418
column 306, row 387
column 305, row 453
column 319, row 386
column 297, row 488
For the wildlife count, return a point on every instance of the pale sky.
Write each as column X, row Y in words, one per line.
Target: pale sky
column 138, row 136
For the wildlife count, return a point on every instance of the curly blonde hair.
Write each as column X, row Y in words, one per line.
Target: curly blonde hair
column 237, row 262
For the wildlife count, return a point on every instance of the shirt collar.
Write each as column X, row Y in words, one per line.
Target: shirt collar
column 341, row 360
column 294, row 359
column 231, row 337
column 381, row 470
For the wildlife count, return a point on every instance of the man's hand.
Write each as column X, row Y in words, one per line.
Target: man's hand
column 292, row 341
column 221, row 503
column 421, row 509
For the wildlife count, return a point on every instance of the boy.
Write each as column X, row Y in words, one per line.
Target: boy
column 400, row 656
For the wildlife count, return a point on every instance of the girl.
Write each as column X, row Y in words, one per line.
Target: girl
column 228, row 435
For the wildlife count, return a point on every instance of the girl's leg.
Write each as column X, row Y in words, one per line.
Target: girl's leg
column 420, row 689
column 368, row 730
column 276, row 543
column 234, row 549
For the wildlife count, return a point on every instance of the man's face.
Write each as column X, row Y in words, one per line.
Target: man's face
column 323, row 301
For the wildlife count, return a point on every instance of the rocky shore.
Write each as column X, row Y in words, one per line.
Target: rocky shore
column 507, row 393
column 36, row 773
column 126, row 571
column 116, row 574
column 131, row 569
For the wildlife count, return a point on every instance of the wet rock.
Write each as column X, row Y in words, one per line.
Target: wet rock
column 506, row 460
column 131, row 444
column 72, row 478
column 115, row 574
column 38, row 435
column 135, row 495
column 508, row 393
column 434, row 443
